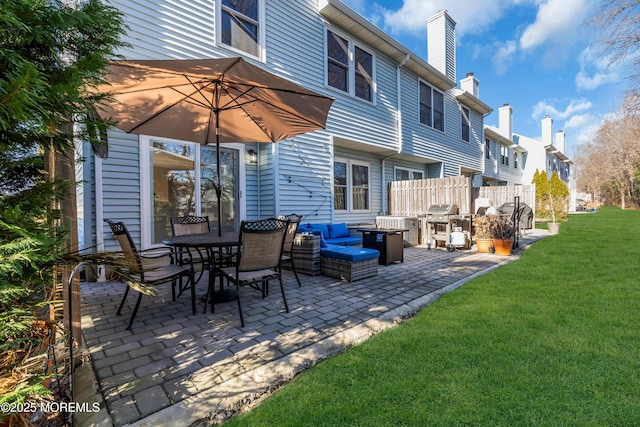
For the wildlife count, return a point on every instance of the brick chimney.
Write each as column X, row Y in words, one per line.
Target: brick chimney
column 547, row 130
column 505, row 121
column 471, row 84
column 441, row 43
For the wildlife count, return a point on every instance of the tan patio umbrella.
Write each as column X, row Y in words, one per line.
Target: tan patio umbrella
column 210, row 101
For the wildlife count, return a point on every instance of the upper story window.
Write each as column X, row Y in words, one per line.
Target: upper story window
column 349, row 67
column 487, row 148
column 515, row 160
column 504, row 155
column 465, row 116
column 240, row 25
column 404, row 174
column 431, row 107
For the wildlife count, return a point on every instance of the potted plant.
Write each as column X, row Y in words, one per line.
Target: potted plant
column 503, row 235
column 551, row 198
column 483, row 231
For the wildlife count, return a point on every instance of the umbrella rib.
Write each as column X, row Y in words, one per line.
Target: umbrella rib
column 185, row 96
column 293, row 113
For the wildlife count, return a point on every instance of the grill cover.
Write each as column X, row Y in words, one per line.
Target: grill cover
column 441, row 213
column 526, row 214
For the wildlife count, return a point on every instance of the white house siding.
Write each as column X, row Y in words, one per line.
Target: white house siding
column 445, row 147
column 495, row 173
column 168, row 29
column 304, row 177
column 121, row 185
column 541, row 159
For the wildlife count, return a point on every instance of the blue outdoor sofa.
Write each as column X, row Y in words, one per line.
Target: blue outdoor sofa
column 340, row 254
column 333, row 234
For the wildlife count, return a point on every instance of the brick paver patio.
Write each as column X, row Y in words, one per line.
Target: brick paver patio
column 174, row 368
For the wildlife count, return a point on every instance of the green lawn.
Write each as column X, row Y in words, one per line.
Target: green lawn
column 552, row 339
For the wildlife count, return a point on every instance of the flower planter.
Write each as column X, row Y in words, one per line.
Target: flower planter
column 503, row 247
column 484, row 245
column 553, row 227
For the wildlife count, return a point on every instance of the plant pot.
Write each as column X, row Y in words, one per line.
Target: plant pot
column 553, row 227
column 503, row 247
column 484, row 245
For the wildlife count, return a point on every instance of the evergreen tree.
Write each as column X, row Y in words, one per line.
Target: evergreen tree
column 51, row 53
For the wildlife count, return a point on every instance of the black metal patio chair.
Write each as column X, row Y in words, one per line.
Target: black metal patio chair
column 287, row 251
column 143, row 271
column 259, row 258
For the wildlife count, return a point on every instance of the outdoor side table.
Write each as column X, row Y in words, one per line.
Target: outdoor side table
column 389, row 242
column 306, row 253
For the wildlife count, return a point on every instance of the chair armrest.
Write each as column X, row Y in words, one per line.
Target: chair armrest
column 223, row 259
column 177, row 257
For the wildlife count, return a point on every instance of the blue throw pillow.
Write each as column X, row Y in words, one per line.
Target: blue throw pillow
column 322, row 228
column 338, row 230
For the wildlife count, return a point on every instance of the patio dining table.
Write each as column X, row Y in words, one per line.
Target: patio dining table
column 209, row 242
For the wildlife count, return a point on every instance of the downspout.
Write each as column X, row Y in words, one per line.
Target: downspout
column 99, row 204
column 398, row 127
column 259, row 183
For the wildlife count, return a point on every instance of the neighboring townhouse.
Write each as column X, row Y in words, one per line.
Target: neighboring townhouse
column 545, row 154
column 396, row 116
column 512, row 159
column 503, row 159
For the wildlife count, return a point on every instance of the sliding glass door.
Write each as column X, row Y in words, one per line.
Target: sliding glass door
column 183, row 180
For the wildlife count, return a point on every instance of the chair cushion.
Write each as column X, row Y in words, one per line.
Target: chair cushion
column 338, row 230
column 323, row 228
column 349, row 253
column 345, row 241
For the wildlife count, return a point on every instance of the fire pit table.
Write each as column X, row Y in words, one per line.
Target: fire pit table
column 389, row 242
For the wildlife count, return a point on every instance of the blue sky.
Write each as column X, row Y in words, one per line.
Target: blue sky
column 536, row 55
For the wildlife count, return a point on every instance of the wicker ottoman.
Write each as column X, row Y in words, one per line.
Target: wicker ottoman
column 348, row 263
column 306, row 254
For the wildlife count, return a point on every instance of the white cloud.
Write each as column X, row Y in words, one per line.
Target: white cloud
column 595, row 70
column 555, row 22
column 574, row 106
column 470, row 17
column 590, row 82
column 580, row 121
column 503, row 56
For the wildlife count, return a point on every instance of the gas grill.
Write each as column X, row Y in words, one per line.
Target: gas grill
column 440, row 221
column 441, row 214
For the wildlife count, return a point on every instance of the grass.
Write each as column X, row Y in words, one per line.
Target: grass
column 549, row 340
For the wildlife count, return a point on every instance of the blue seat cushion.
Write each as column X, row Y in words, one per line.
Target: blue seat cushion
column 338, row 230
column 345, row 241
column 349, row 253
column 323, row 228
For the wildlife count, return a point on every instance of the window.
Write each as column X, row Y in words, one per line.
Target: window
column 487, row 148
column 182, row 180
column 404, row 174
column 465, row 116
column 363, row 73
column 504, row 155
column 239, row 25
column 349, row 67
column 515, row 160
column 431, row 107
column 350, row 185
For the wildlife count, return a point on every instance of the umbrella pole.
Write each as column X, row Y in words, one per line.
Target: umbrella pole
column 219, row 185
